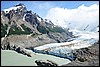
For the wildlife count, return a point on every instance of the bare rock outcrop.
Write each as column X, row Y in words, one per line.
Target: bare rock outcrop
column 45, row 63
column 86, row 56
column 23, row 51
column 5, row 45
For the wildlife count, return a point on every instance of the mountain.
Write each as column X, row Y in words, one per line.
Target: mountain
column 88, row 26
column 22, row 27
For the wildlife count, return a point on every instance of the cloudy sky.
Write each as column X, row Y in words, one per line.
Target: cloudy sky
column 62, row 12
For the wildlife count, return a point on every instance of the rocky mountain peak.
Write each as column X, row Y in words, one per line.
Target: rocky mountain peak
column 15, row 8
column 18, row 20
column 20, row 4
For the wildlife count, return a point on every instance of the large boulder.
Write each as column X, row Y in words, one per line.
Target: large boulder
column 23, row 51
column 5, row 44
column 45, row 63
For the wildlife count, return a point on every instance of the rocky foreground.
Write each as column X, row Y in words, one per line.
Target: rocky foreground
column 86, row 56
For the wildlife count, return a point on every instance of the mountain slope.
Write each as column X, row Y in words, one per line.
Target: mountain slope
column 21, row 26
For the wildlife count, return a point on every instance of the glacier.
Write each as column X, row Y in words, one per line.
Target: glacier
column 86, row 32
column 83, row 37
column 63, row 50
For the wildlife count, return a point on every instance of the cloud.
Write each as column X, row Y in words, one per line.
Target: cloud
column 41, row 7
column 74, row 18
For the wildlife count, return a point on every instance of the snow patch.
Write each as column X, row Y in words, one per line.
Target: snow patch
column 24, row 17
column 39, row 19
column 12, row 8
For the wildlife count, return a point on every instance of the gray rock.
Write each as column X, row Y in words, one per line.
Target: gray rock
column 86, row 56
column 23, row 51
column 59, row 37
column 45, row 63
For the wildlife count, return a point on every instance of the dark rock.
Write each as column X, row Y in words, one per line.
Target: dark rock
column 5, row 45
column 40, row 38
column 18, row 50
column 45, row 63
column 86, row 56
column 58, row 41
column 20, row 4
column 81, row 59
column 23, row 51
column 8, row 46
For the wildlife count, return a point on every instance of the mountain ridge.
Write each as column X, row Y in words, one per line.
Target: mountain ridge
column 21, row 26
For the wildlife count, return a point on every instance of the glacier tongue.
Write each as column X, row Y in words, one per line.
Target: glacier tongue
column 84, row 39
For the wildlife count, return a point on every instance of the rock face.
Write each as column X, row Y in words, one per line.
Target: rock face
column 22, row 28
column 59, row 37
column 86, row 56
column 45, row 63
column 7, row 46
column 27, row 29
column 23, row 21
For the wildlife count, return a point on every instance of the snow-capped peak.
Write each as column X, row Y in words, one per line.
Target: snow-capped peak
column 14, row 8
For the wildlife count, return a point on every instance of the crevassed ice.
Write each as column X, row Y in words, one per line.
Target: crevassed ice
column 85, row 39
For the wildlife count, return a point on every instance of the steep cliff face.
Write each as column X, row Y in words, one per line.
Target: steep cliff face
column 27, row 29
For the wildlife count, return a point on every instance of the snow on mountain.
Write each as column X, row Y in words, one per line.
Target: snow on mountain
column 14, row 8
column 24, row 17
column 86, row 32
column 39, row 18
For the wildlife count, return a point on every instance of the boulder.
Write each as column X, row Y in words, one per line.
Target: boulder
column 5, row 45
column 23, row 51
column 45, row 63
